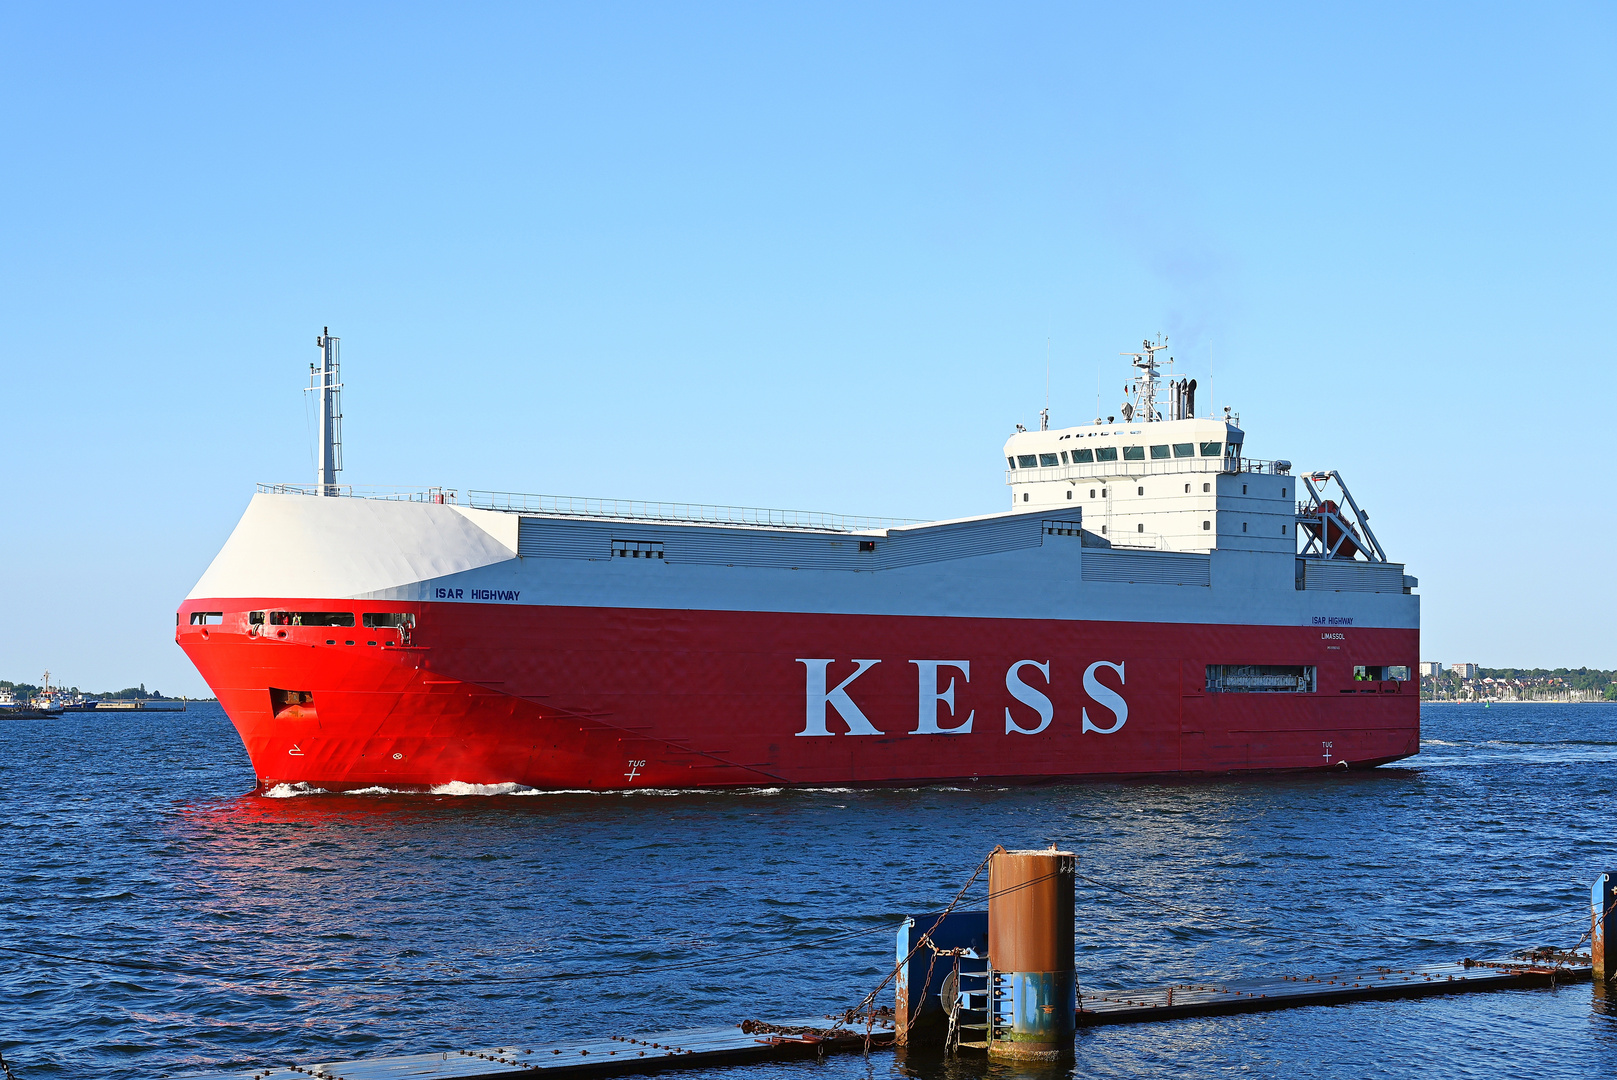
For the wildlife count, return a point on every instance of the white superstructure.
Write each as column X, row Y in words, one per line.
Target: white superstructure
column 1174, row 483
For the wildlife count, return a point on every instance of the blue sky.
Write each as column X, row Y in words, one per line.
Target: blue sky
column 808, row 256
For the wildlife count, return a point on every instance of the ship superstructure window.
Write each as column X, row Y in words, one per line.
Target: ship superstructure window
column 255, row 618
column 1063, row 456
column 311, row 618
column 207, row 618
column 1207, row 487
column 1011, row 462
column 1133, row 453
column 1105, row 453
column 1261, row 678
column 1184, row 449
column 1380, row 673
column 397, row 619
column 1047, row 460
column 1139, row 491
column 637, row 549
column 1159, row 453
column 1207, row 525
column 1091, row 493
column 1212, row 449
column 1083, row 456
column 1027, row 461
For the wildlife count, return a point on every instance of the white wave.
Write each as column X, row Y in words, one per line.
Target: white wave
column 378, row 790
column 292, row 791
column 461, row 787
column 1437, row 742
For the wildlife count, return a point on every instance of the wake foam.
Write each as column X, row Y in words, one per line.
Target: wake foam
column 292, row 791
column 461, row 787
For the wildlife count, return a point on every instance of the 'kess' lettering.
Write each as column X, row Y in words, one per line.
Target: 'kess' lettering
column 936, row 713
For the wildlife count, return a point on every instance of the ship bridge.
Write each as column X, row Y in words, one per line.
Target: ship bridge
column 1157, row 478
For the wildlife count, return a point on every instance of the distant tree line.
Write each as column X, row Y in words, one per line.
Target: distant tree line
column 1582, row 678
column 23, row 691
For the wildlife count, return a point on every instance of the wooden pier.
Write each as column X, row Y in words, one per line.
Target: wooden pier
column 608, row 1055
column 753, row 1042
column 1225, row 998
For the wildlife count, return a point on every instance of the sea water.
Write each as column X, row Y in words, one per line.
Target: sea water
column 319, row 927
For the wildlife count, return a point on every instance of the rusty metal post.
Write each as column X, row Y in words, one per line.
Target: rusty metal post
column 1603, row 926
column 1034, row 984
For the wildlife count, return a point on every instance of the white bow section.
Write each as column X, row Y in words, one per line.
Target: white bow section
column 307, row 546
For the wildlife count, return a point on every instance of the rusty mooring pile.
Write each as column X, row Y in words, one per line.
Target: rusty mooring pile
column 1000, row 982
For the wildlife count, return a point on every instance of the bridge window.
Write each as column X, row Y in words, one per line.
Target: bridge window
column 1027, row 461
column 1184, row 449
column 1011, row 462
column 1082, row 456
column 1047, row 460
column 1212, row 449
column 1105, row 453
column 1261, row 678
column 1133, row 453
column 1159, row 453
column 1063, row 455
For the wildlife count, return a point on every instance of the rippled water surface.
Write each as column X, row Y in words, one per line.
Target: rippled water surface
column 329, row 926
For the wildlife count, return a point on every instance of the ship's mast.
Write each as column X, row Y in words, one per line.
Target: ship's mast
column 325, row 378
column 1144, row 387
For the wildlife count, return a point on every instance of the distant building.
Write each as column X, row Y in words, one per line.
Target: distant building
column 1464, row 671
column 1431, row 669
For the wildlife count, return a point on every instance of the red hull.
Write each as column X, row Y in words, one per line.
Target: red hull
column 565, row 698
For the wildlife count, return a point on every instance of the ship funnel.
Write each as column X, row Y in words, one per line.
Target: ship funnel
column 325, row 381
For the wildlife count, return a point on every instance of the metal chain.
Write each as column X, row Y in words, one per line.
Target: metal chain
column 6, row 1068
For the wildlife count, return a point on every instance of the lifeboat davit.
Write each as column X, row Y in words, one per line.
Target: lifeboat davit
column 1330, row 515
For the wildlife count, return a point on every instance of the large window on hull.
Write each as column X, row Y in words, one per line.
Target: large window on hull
column 1261, row 678
column 311, row 618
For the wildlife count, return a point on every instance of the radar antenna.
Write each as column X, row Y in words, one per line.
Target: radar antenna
column 1143, row 388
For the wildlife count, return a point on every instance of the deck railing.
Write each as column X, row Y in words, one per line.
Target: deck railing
column 1128, row 470
column 700, row 513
